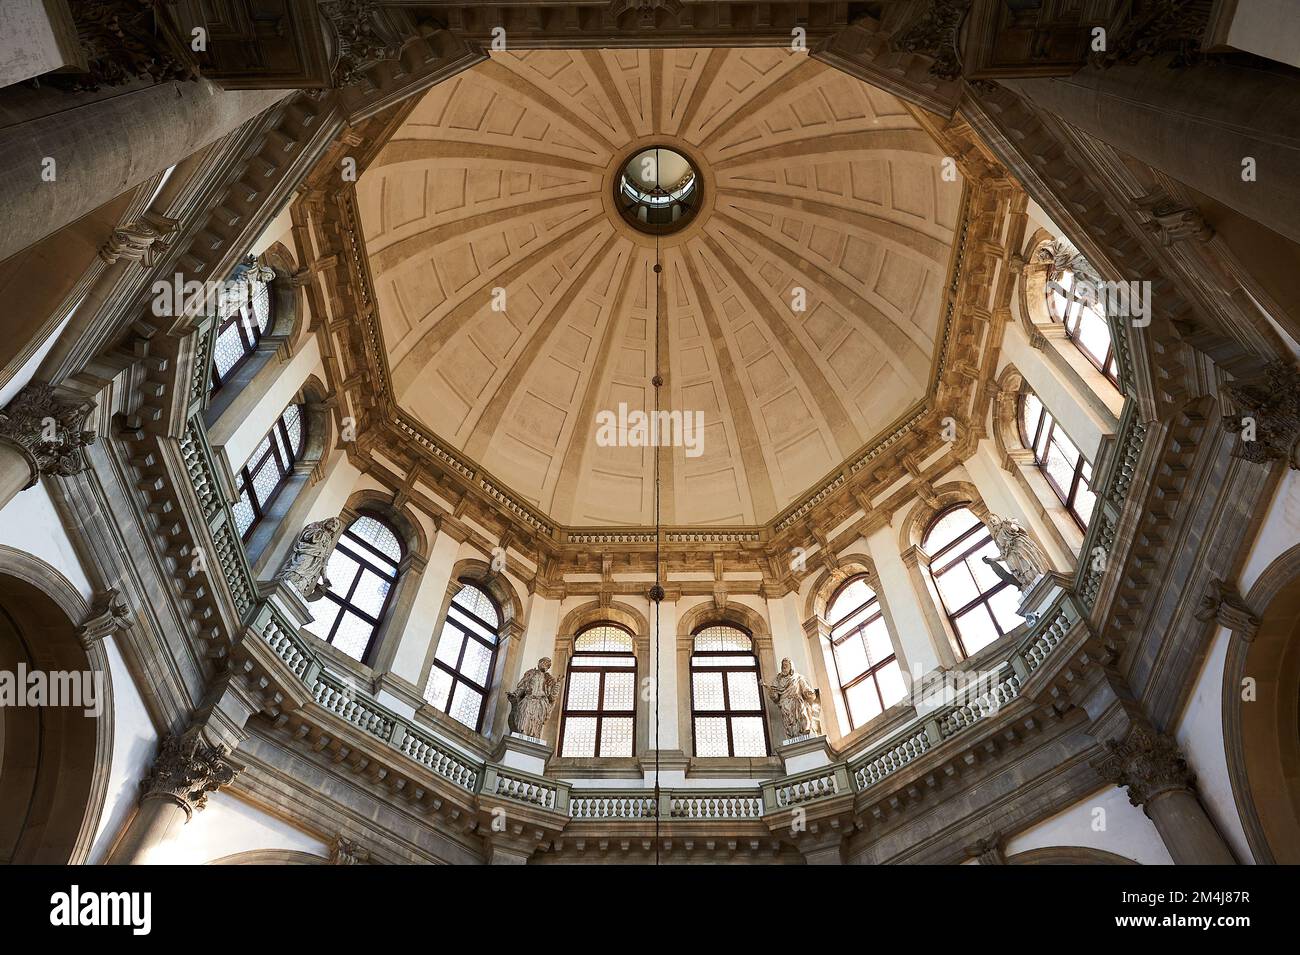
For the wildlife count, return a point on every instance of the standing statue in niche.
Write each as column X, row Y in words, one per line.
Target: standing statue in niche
column 1018, row 551
column 305, row 568
column 799, row 702
column 533, row 699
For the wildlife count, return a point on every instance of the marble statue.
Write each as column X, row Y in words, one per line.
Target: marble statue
column 1017, row 549
column 305, row 568
column 533, row 699
column 798, row 701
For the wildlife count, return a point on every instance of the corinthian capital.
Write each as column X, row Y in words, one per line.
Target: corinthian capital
column 47, row 430
column 186, row 769
column 1147, row 764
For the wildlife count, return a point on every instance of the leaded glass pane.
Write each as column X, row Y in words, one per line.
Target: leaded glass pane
column 438, row 688
column 478, row 603
column 743, row 691
column 1004, row 604
column 324, row 612
column 353, row 635
column 465, row 705
column 948, row 528
column 721, row 638
column 471, row 623
column 244, row 515
column 449, row 646
column 265, row 480
column 850, row 598
column 851, row 658
column 707, row 688
column 340, row 569
column 604, row 639
column 579, row 736
column 476, row 663
column 619, row 691
column 370, row 593
column 616, row 736
column 976, row 628
column 748, row 736
column 863, row 702
column 584, row 691
column 711, row 736
column 890, row 679
column 378, row 536
column 957, row 587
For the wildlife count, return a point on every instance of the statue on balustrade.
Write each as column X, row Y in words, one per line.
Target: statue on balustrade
column 533, row 699
column 305, row 568
column 1023, row 557
column 799, row 702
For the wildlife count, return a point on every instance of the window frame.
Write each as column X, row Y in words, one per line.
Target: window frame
column 858, row 631
column 243, row 316
column 1074, row 308
column 358, row 550
column 244, row 479
column 947, row 553
column 726, row 713
column 600, row 712
column 466, row 633
column 1069, row 498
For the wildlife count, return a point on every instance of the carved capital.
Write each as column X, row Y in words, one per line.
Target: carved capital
column 140, row 240
column 988, row 851
column 934, row 33
column 123, row 41
column 1269, row 424
column 186, row 769
column 1147, row 764
column 109, row 614
column 1224, row 605
column 46, row 429
column 1157, row 28
column 1173, row 221
column 363, row 37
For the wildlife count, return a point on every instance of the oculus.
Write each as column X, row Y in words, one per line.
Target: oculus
column 658, row 190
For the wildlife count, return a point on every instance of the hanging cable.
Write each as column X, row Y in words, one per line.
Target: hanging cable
column 657, row 591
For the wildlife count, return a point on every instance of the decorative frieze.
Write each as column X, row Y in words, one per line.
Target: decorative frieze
column 47, row 430
column 934, row 33
column 123, row 41
column 186, row 770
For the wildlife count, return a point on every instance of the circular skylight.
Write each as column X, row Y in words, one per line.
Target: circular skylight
column 658, row 190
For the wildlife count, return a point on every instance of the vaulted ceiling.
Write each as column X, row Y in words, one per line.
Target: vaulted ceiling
column 502, row 177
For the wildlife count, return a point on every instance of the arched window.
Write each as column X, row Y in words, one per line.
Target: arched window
column 245, row 310
column 727, row 716
column 600, row 694
column 362, row 572
column 1069, row 475
column 869, row 675
column 1074, row 300
column 262, row 477
column 980, row 603
column 462, row 663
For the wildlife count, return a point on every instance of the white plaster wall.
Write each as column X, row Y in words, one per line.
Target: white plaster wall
column 1128, row 832
column 134, row 745
column 31, row 524
column 1280, row 530
column 227, row 826
column 1200, row 734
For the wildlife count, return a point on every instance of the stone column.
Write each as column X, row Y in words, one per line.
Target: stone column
column 1196, row 124
column 40, row 434
column 103, row 147
column 185, row 770
column 1154, row 771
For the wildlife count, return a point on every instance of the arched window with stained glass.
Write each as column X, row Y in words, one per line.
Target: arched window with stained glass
column 264, row 474
column 862, row 651
column 244, row 309
column 362, row 572
column 727, row 717
column 599, row 714
column 463, row 661
column 980, row 603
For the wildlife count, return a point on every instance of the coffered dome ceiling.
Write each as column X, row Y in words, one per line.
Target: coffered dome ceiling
column 503, row 178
